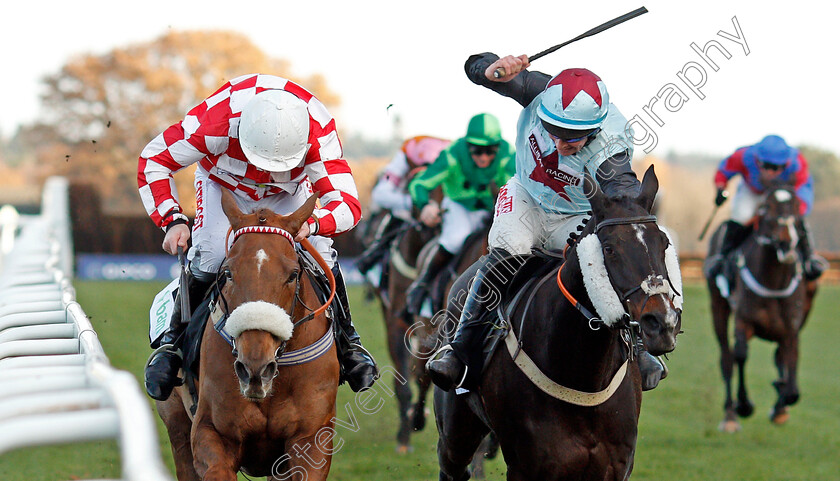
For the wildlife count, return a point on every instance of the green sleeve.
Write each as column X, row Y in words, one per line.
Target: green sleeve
column 428, row 180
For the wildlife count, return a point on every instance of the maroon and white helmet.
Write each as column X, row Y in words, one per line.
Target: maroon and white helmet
column 576, row 99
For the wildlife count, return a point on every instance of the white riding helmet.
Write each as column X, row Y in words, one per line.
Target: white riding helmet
column 576, row 99
column 274, row 130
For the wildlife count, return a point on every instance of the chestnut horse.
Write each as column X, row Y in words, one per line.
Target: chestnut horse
column 263, row 408
column 770, row 300
column 563, row 393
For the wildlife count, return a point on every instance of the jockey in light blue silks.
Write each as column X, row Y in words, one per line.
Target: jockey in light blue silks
column 568, row 127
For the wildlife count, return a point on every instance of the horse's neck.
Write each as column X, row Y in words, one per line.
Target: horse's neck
column 412, row 243
column 561, row 342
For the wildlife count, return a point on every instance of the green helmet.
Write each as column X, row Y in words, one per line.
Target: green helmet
column 484, row 129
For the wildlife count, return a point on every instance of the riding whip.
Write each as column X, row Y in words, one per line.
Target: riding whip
column 500, row 72
column 708, row 222
column 183, row 288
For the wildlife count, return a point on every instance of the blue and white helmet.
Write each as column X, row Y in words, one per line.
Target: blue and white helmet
column 576, row 99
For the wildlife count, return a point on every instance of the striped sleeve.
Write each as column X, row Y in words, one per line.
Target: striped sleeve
column 729, row 167
column 166, row 154
column 804, row 185
column 330, row 175
column 203, row 132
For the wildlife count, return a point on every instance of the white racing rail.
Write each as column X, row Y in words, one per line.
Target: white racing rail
column 56, row 383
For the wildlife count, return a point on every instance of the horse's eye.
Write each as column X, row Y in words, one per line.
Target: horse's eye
column 608, row 251
column 292, row 277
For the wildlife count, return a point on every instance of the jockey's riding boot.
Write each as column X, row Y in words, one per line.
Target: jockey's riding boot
column 161, row 373
column 358, row 366
column 450, row 368
column 734, row 233
column 651, row 368
column 812, row 264
column 419, row 289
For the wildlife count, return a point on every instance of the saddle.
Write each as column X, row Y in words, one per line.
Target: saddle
column 191, row 343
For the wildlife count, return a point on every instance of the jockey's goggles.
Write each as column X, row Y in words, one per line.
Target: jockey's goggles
column 568, row 135
column 578, row 139
column 771, row 166
column 483, row 149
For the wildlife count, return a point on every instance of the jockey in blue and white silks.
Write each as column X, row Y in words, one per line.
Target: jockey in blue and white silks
column 555, row 181
column 568, row 128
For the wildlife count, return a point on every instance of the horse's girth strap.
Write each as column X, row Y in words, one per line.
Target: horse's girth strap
column 546, row 385
column 401, row 265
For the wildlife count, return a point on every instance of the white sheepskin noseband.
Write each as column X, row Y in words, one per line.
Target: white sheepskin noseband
column 672, row 265
column 597, row 282
column 260, row 315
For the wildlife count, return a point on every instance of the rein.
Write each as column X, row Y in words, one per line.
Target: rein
column 219, row 315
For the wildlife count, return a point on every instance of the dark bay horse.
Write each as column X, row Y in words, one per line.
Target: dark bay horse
column 402, row 266
column 402, row 270
column 770, row 300
column 581, row 422
column 422, row 339
column 263, row 408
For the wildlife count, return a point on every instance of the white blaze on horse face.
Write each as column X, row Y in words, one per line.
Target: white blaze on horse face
column 640, row 232
column 783, row 195
column 640, row 236
column 261, row 257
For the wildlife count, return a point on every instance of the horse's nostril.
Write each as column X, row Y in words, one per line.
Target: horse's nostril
column 269, row 371
column 651, row 323
column 241, row 371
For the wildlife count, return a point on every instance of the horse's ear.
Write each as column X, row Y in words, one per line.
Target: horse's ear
column 650, row 185
column 230, row 209
column 593, row 192
column 302, row 214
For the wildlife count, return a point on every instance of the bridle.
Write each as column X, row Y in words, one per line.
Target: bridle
column 630, row 331
column 652, row 285
column 753, row 284
column 220, row 311
column 788, row 221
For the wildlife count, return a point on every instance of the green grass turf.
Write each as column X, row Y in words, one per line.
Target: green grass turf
column 678, row 437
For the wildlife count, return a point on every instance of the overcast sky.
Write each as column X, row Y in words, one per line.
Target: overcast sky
column 781, row 75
